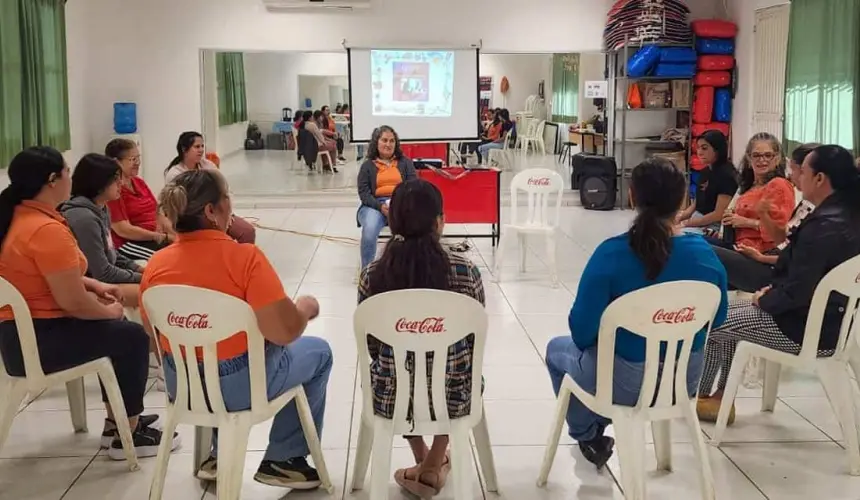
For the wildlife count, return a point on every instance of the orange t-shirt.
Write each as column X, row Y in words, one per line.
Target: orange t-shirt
column 780, row 192
column 495, row 132
column 39, row 243
column 387, row 177
column 210, row 259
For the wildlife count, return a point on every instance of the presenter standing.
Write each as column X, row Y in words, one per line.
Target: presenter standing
column 384, row 168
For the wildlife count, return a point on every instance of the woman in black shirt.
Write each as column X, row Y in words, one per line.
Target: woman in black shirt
column 717, row 184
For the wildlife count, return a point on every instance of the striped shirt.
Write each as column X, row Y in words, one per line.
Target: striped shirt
column 465, row 278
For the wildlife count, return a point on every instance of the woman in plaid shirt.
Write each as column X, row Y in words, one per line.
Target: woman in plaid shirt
column 414, row 258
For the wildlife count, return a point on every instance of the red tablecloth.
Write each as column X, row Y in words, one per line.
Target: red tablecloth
column 430, row 150
column 470, row 197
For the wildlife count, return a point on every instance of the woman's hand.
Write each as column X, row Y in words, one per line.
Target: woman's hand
column 759, row 294
column 384, row 209
column 750, row 252
column 737, row 221
column 308, row 306
column 104, row 291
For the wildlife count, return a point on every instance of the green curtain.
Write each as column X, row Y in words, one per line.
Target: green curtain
column 34, row 106
column 823, row 71
column 232, row 102
column 565, row 88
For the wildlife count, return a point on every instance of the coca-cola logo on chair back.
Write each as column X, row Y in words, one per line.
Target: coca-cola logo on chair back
column 190, row 322
column 683, row 315
column 426, row 325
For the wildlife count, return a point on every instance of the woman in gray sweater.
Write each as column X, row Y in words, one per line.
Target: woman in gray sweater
column 95, row 182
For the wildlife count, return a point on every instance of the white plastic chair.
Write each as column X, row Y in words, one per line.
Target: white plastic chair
column 540, row 184
column 533, row 137
column 218, row 317
column 319, row 166
column 833, row 372
column 504, row 153
column 694, row 305
column 421, row 321
column 14, row 389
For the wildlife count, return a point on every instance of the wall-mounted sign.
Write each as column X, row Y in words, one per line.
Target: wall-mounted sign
column 596, row 89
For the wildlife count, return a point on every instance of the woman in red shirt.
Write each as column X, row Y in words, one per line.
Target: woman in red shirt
column 762, row 182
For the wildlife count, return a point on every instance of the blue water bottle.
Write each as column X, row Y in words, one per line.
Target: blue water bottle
column 125, row 117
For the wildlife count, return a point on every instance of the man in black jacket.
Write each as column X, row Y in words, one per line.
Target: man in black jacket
column 777, row 314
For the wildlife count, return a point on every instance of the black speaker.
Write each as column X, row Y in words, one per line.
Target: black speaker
column 596, row 178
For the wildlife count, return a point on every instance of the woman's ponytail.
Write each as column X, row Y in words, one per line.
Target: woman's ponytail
column 651, row 241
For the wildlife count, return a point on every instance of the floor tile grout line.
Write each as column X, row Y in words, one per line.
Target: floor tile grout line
column 813, row 424
column 75, row 480
column 743, row 472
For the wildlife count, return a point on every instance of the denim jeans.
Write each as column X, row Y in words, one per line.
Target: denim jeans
column 701, row 230
column 371, row 221
column 564, row 357
column 484, row 150
column 307, row 361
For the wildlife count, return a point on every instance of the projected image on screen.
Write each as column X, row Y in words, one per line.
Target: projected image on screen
column 412, row 83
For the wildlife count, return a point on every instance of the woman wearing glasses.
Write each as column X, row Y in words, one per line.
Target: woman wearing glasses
column 137, row 230
column 764, row 189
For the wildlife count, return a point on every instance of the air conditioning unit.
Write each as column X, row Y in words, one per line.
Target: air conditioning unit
column 283, row 5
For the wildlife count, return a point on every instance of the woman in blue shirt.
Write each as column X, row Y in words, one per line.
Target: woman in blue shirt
column 653, row 251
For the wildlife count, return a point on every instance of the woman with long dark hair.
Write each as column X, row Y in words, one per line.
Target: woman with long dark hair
column 382, row 171
column 76, row 319
column 497, row 134
column 653, row 251
column 415, row 258
column 776, row 315
column 762, row 180
column 190, row 155
column 716, row 187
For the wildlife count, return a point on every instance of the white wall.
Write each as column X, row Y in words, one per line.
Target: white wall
column 524, row 73
column 77, row 48
column 316, row 88
column 743, row 13
column 154, row 60
column 591, row 67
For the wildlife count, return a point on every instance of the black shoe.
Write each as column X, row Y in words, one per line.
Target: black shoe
column 598, row 450
column 294, row 473
column 146, row 441
column 208, row 470
column 109, row 432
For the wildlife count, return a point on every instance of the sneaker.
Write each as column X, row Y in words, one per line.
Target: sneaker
column 341, row 162
column 294, row 473
column 146, row 441
column 208, row 470
column 708, row 409
column 341, row 158
column 597, row 451
column 110, row 432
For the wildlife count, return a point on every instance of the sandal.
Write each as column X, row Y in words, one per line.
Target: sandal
column 425, row 483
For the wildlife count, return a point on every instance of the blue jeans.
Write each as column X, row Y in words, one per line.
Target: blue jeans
column 307, row 361
column 484, row 149
column 371, row 221
column 701, row 230
column 564, row 358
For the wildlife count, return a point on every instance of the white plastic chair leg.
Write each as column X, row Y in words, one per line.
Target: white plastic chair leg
column 551, row 257
column 78, row 404
column 461, row 458
column 156, row 490
column 232, row 446
column 661, row 430
column 485, row 454
column 313, row 439
column 500, row 253
column 736, row 375
column 770, row 385
column 706, row 474
column 362, row 456
column 522, row 248
column 837, row 384
column 382, row 442
column 554, row 435
column 202, row 446
column 114, row 396
column 13, row 393
column 630, row 444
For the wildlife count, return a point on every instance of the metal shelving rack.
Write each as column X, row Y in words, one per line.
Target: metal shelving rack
column 617, row 73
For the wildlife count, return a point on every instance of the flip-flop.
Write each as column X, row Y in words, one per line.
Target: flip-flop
column 423, row 489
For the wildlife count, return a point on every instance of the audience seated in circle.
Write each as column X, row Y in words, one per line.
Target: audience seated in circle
column 776, row 315
column 384, row 168
column 750, row 270
column 198, row 206
column 137, row 231
column 190, row 152
column 715, row 187
column 653, row 251
column 762, row 181
column 496, row 135
column 414, row 258
column 76, row 319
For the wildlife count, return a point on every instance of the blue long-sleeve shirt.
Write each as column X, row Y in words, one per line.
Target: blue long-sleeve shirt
column 614, row 270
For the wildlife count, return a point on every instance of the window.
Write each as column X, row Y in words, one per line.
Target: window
column 232, row 103
column 822, row 75
column 565, row 87
column 34, row 105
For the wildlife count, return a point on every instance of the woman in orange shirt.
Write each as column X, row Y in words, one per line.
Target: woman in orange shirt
column 762, row 182
column 76, row 319
column 198, row 206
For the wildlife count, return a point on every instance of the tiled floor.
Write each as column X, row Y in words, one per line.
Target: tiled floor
column 791, row 453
